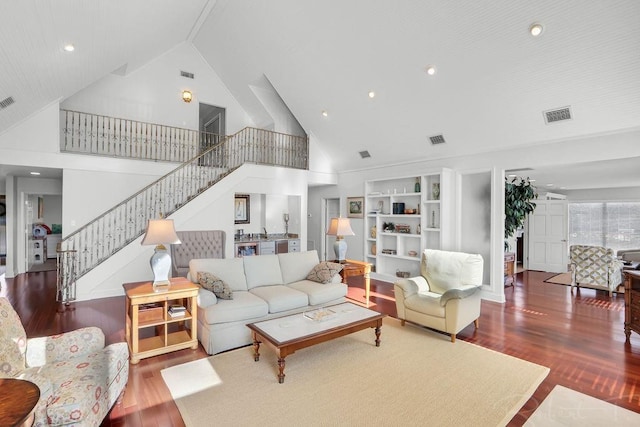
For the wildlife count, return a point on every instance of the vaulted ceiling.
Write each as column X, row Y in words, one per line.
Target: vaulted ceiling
column 493, row 79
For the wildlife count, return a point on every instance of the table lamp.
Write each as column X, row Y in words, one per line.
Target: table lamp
column 340, row 227
column 160, row 232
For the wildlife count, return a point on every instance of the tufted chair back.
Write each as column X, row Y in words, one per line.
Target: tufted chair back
column 195, row 244
column 13, row 341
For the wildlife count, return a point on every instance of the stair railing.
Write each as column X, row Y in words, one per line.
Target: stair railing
column 114, row 229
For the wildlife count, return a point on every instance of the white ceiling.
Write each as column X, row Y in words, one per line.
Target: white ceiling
column 492, row 84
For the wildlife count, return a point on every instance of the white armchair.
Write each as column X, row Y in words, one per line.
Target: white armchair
column 446, row 296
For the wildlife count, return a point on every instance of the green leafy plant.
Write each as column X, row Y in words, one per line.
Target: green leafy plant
column 518, row 193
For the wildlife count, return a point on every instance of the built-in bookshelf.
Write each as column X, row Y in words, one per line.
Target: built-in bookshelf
column 404, row 216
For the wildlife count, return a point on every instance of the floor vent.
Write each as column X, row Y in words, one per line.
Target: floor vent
column 558, row 115
column 364, row 154
column 437, row 139
column 187, row 74
column 6, row 102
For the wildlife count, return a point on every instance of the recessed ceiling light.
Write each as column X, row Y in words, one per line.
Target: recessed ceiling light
column 324, row 113
column 69, row 47
column 511, row 176
column 536, row 29
column 532, row 180
column 372, row 94
column 549, row 185
column 34, row 173
column 430, row 69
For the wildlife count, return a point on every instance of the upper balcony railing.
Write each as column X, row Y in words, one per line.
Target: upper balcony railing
column 86, row 133
column 111, row 231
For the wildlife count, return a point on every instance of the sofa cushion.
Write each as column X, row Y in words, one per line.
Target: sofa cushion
column 320, row 294
column 324, row 272
column 447, row 270
column 262, row 270
column 427, row 303
column 214, row 284
column 244, row 306
column 80, row 385
column 296, row 265
column 230, row 270
column 281, row 298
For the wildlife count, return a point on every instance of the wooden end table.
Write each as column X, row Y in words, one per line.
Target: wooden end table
column 180, row 291
column 357, row 268
column 18, row 399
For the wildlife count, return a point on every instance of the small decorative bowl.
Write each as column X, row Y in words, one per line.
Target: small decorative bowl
column 410, row 211
column 412, row 253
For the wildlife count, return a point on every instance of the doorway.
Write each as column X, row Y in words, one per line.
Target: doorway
column 212, row 121
column 331, row 209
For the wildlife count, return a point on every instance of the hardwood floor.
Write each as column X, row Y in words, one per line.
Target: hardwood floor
column 579, row 336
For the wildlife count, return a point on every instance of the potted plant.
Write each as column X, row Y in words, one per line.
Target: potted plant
column 518, row 193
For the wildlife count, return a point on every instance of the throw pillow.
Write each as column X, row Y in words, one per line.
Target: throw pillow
column 324, row 272
column 215, row 285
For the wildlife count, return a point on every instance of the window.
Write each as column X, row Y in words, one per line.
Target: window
column 614, row 225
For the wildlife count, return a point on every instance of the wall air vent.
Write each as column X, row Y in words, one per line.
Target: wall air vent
column 557, row 115
column 437, row 139
column 187, row 74
column 6, row 102
column 364, row 154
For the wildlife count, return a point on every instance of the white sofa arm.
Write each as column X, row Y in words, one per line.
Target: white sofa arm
column 412, row 285
column 458, row 293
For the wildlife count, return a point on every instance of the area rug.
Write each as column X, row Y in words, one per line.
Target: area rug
column 48, row 265
column 560, row 279
column 415, row 376
column 189, row 378
column 566, row 407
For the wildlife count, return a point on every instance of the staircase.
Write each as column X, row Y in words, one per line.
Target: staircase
column 89, row 246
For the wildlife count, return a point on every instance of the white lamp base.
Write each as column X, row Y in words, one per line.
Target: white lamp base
column 161, row 266
column 340, row 249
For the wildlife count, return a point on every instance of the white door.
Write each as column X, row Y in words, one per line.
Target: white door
column 547, row 228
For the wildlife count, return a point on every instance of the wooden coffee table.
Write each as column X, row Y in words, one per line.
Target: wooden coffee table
column 294, row 332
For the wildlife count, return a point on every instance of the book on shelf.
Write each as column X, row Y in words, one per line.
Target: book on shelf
column 177, row 314
column 177, row 308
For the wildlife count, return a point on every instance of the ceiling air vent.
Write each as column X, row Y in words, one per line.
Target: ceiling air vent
column 187, row 74
column 6, row 102
column 437, row 139
column 558, row 115
column 364, row 154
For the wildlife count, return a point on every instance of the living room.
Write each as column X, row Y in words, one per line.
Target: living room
column 479, row 144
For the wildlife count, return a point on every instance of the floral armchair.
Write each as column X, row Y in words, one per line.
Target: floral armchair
column 595, row 267
column 79, row 378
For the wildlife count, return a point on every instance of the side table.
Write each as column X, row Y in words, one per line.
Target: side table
column 357, row 268
column 509, row 269
column 156, row 315
column 631, row 302
column 18, row 399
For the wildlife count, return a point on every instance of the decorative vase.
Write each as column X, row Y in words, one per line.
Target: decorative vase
column 374, row 232
column 417, row 186
column 374, row 249
column 435, row 189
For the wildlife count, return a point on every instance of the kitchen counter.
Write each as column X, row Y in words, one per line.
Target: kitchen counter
column 260, row 244
column 248, row 238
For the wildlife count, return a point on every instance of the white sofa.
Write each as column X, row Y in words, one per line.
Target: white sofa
column 264, row 286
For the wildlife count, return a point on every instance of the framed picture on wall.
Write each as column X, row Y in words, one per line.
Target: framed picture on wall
column 241, row 209
column 355, row 207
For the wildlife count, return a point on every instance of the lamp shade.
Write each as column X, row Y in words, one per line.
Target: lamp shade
column 160, row 232
column 340, row 227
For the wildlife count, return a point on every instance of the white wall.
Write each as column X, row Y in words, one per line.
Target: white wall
column 605, row 194
column 153, row 93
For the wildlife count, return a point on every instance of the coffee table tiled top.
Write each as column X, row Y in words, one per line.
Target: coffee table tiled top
column 297, row 331
column 296, row 326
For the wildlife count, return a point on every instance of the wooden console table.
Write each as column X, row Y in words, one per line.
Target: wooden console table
column 631, row 302
column 181, row 291
column 509, row 269
column 357, row 268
